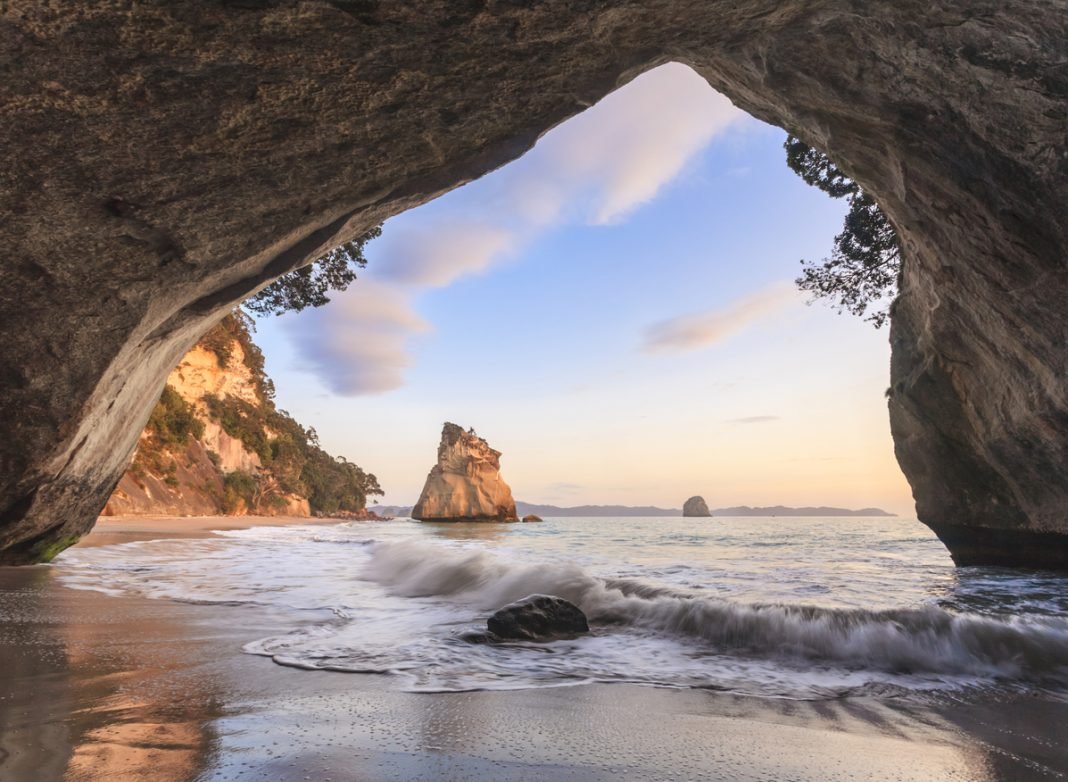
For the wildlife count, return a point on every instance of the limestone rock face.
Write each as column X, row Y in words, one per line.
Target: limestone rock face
column 696, row 506
column 188, row 480
column 466, row 483
column 192, row 152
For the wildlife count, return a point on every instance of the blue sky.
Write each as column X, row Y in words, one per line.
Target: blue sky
column 615, row 313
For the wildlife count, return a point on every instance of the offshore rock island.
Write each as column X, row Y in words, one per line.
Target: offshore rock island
column 696, row 506
column 466, row 483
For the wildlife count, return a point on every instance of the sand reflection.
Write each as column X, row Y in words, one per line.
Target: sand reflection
column 100, row 689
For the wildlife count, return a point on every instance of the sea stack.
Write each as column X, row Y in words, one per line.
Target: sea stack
column 696, row 506
column 466, row 483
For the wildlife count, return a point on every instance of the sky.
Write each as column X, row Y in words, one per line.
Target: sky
column 615, row 312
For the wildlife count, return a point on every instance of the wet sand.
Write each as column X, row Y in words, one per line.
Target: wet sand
column 96, row 687
column 123, row 529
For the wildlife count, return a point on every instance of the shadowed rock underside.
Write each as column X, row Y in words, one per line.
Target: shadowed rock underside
column 163, row 161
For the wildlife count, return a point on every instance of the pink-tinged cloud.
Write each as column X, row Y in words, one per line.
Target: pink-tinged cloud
column 436, row 254
column 636, row 140
column 358, row 343
column 703, row 329
column 595, row 168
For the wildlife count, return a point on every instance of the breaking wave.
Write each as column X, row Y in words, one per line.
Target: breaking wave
column 836, row 609
column 926, row 640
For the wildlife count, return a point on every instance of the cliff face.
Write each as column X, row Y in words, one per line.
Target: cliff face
column 466, row 483
column 269, row 132
column 216, row 445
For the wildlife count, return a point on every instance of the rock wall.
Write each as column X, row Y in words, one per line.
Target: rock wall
column 164, row 161
column 189, row 479
column 466, row 483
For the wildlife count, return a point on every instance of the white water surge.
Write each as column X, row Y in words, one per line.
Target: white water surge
column 783, row 607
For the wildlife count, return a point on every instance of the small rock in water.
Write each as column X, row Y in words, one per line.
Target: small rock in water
column 696, row 506
column 532, row 517
column 538, row 618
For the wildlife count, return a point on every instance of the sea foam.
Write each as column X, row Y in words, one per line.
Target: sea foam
column 925, row 640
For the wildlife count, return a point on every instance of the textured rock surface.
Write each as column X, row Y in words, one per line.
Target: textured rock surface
column 696, row 506
column 195, row 487
column 163, row 161
column 532, row 517
column 466, row 483
column 538, row 618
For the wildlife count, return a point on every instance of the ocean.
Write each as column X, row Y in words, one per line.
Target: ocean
column 801, row 608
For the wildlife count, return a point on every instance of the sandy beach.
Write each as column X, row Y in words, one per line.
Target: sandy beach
column 123, row 529
column 98, row 687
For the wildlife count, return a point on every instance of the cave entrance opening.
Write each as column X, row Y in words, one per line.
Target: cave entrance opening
column 619, row 301
column 268, row 148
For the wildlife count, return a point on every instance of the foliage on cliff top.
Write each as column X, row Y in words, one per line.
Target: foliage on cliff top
column 864, row 265
column 236, row 329
column 309, row 285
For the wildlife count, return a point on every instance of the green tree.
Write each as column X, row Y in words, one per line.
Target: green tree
column 309, row 285
column 862, row 271
column 173, row 420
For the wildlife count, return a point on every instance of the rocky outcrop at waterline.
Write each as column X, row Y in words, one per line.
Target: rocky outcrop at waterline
column 466, row 483
column 696, row 506
column 268, row 132
column 538, row 618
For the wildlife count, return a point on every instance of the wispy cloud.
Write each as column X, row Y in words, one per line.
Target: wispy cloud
column 754, row 419
column 358, row 344
column 700, row 330
column 595, row 169
column 626, row 148
column 433, row 256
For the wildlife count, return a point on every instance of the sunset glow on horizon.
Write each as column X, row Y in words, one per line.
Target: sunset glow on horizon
column 615, row 312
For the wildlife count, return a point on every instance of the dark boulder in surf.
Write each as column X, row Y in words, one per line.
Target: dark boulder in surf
column 531, row 517
column 538, row 618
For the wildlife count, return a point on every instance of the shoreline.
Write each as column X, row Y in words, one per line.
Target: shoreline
column 103, row 687
column 121, row 687
column 110, row 530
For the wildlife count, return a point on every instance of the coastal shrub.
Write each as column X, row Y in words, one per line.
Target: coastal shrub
column 239, row 486
column 242, row 421
column 291, row 452
column 865, row 263
column 172, row 423
column 308, row 286
column 220, row 342
column 237, row 328
column 173, row 420
column 336, row 484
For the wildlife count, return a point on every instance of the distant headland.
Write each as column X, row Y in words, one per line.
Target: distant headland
column 525, row 508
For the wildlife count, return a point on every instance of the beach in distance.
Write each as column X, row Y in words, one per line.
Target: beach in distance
column 331, row 650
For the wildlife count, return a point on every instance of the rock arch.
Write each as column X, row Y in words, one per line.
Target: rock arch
column 165, row 160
